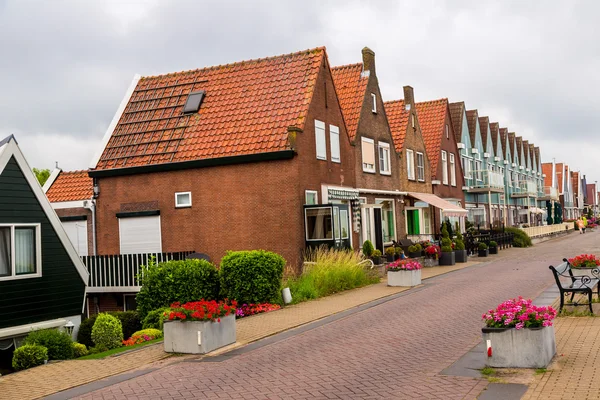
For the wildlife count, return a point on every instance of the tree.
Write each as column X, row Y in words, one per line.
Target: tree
column 42, row 175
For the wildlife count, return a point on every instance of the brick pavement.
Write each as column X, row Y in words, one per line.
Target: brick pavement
column 394, row 350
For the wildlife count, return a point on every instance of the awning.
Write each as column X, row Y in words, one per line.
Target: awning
column 447, row 208
column 342, row 194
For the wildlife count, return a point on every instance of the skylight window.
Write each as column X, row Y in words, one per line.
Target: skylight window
column 192, row 104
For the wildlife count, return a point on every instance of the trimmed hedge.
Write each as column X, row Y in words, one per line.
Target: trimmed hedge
column 130, row 321
column 29, row 355
column 171, row 281
column 520, row 238
column 59, row 344
column 252, row 276
column 154, row 319
column 107, row 332
column 154, row 333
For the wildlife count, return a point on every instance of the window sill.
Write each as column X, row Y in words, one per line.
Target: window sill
column 322, row 159
column 17, row 277
column 184, row 206
column 386, row 173
column 336, row 161
column 369, row 171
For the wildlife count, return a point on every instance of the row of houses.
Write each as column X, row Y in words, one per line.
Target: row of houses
column 288, row 152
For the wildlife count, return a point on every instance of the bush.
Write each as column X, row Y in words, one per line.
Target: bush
column 418, row 247
column 84, row 335
column 79, row 350
column 29, row 355
column 482, row 246
column 130, row 321
column 493, row 244
column 368, row 248
column 399, row 250
column 520, row 238
column 376, row 253
column 171, row 281
column 252, row 276
column 154, row 319
column 59, row 344
column 153, row 333
column 333, row 271
column 390, row 251
column 97, row 349
column 458, row 243
column 446, row 242
column 412, row 249
column 107, row 331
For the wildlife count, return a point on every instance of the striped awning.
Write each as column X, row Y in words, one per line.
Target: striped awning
column 342, row 194
column 447, row 208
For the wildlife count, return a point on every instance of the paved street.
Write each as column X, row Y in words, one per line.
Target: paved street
column 393, row 351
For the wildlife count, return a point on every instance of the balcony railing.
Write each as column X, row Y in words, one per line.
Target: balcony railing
column 119, row 273
column 490, row 181
column 551, row 192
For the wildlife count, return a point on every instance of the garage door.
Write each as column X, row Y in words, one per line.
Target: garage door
column 140, row 235
column 78, row 235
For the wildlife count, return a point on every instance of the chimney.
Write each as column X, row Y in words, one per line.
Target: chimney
column 409, row 96
column 368, row 57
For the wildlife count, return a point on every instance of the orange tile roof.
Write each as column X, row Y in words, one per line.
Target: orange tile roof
column 247, row 109
column 350, row 87
column 457, row 113
column 472, row 124
column 484, row 122
column 432, row 120
column 71, row 186
column 547, row 170
column 398, row 119
column 495, row 132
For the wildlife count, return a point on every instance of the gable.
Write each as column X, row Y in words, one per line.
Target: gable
column 350, row 87
column 432, row 120
column 70, row 186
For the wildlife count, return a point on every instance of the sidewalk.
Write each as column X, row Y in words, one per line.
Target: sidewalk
column 55, row 377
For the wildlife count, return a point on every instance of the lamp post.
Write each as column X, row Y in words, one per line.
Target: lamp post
column 69, row 326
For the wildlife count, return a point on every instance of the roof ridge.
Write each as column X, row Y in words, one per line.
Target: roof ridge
column 347, row 66
column 253, row 60
column 393, row 101
column 432, row 101
column 78, row 171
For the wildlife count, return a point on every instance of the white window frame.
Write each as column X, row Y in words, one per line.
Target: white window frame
column 380, row 201
column 444, row 167
column 410, row 164
column 182, row 205
column 421, row 167
column 386, row 150
column 307, row 192
column 38, row 252
column 320, row 139
column 364, row 167
column 452, row 170
column 472, row 168
column 374, row 106
column 334, row 143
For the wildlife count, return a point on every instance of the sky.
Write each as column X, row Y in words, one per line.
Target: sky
column 531, row 66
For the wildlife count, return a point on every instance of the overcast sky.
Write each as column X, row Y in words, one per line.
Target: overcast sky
column 532, row 66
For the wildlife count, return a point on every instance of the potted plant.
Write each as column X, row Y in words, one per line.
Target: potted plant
column 447, row 257
column 399, row 253
column 390, row 254
column 404, row 273
column 432, row 255
column 376, row 257
column 368, row 248
column 585, row 261
column 460, row 254
column 493, row 247
column 414, row 251
column 519, row 335
column 199, row 327
column 483, row 249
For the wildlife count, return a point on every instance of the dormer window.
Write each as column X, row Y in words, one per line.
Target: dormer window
column 192, row 104
column 374, row 106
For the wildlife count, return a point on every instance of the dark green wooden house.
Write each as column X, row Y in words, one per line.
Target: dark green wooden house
column 42, row 279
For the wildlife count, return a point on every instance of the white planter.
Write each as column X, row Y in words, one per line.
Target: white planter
column 287, row 295
column 404, row 278
column 523, row 348
column 198, row 337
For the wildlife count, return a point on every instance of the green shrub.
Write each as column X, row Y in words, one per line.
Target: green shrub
column 107, row 331
column 399, row 251
column 154, row 333
column 368, row 248
column 97, row 349
column 59, row 344
column 29, row 355
column 446, row 242
column 154, row 319
column 459, row 244
column 520, row 238
column 390, row 251
column 333, row 271
column 493, row 244
column 84, row 335
column 130, row 321
column 482, row 246
column 418, row 247
column 376, row 253
column 79, row 350
column 412, row 249
column 252, row 276
column 171, row 281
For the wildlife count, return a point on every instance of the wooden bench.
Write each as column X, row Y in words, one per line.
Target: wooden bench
column 576, row 284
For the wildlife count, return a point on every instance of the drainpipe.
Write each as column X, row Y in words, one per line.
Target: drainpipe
column 91, row 205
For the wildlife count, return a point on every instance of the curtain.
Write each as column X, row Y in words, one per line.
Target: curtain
column 24, row 250
column 5, row 267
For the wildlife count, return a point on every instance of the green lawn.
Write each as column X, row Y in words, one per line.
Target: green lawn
column 117, row 350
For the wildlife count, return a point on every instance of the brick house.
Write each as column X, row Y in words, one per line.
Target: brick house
column 249, row 155
column 444, row 158
column 376, row 162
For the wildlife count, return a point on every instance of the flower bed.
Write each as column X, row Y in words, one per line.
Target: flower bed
column 404, row 273
column 584, row 261
column 404, row 265
column 519, row 313
column 202, row 310
column 246, row 310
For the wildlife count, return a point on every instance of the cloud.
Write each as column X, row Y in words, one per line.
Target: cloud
column 530, row 66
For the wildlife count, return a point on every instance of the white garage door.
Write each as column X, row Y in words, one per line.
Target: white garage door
column 78, row 235
column 140, row 235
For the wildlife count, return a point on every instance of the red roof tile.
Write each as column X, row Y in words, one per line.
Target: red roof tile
column 71, row 186
column 472, row 124
column 495, row 132
column 350, row 87
column 432, row 120
column 398, row 119
column 247, row 109
column 547, row 170
column 457, row 111
column 484, row 122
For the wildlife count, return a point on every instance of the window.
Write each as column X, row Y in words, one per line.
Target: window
column 412, row 121
column 319, row 223
column 368, row 155
column 192, row 104
column 388, row 220
column 510, row 178
column 471, row 168
column 410, row 164
column 140, row 235
column 444, row 167
column 320, row 140
column 384, row 159
column 183, row 199
column 478, row 171
column 421, row 167
column 20, row 251
column 311, row 197
column 447, row 132
column 374, row 98
column 452, row 170
column 334, row 142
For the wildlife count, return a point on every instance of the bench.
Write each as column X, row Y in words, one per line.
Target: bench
column 582, row 284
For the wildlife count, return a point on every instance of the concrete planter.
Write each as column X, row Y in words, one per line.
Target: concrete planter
column 493, row 250
column 461, row 256
column 448, row 258
column 430, row 262
column 523, row 348
column 404, row 278
column 198, row 337
column 484, row 253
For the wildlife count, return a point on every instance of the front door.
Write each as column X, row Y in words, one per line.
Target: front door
column 372, row 227
column 412, row 222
